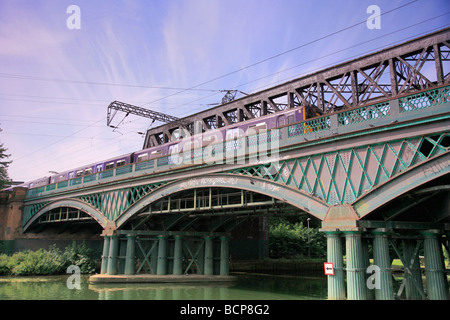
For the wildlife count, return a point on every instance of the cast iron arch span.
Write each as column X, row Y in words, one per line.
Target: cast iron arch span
column 71, row 203
column 305, row 202
column 400, row 184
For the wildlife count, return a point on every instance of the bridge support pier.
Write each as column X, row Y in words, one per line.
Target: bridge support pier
column 209, row 266
column 113, row 253
column 336, row 288
column 105, row 255
column 178, row 256
column 165, row 252
column 380, row 282
column 224, row 256
column 384, row 290
column 129, row 260
column 356, row 280
column 434, row 272
column 161, row 268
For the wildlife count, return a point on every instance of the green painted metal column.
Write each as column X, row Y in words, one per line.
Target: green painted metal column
column 209, row 267
column 105, row 255
column 434, row 262
column 161, row 268
column 356, row 284
column 224, row 256
column 178, row 255
column 121, row 257
column 366, row 264
column 154, row 256
column 129, row 259
column 336, row 283
column 112, row 258
column 413, row 280
column 384, row 290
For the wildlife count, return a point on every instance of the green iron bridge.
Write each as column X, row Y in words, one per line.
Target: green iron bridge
column 373, row 167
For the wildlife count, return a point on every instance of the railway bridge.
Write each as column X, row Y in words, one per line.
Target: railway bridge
column 371, row 160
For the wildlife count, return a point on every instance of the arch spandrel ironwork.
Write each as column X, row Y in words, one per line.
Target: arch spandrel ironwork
column 305, row 202
column 70, row 203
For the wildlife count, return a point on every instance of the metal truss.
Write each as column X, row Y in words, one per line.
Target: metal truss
column 340, row 177
column 411, row 66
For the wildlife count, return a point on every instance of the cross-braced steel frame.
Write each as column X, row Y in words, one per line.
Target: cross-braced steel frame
column 415, row 65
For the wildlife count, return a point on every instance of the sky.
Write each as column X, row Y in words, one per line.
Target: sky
column 61, row 66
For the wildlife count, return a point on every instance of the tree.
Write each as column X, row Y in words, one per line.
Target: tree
column 4, row 163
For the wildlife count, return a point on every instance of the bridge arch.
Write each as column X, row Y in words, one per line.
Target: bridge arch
column 298, row 199
column 402, row 183
column 71, row 203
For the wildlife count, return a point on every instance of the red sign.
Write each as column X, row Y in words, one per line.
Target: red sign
column 329, row 268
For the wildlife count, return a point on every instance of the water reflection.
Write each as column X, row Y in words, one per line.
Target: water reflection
column 247, row 287
column 163, row 292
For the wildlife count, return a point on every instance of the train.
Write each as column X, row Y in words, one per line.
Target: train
column 223, row 134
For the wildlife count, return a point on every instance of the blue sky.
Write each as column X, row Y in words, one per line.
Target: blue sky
column 56, row 82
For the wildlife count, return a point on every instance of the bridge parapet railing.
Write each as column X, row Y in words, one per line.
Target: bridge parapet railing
column 424, row 99
column 363, row 114
column 404, row 108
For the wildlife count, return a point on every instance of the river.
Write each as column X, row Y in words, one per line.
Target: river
column 247, row 287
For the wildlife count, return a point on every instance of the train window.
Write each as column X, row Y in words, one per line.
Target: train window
column 109, row 165
column 142, row 157
column 281, row 121
column 88, row 171
column 79, row 173
column 232, row 133
column 120, row 163
column 155, row 154
column 257, row 127
column 99, row 168
column 291, row 119
column 72, row 175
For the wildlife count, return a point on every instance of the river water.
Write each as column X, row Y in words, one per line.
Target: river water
column 247, row 287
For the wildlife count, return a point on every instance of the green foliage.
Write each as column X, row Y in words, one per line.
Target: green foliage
column 79, row 255
column 290, row 240
column 45, row 262
column 4, row 163
column 4, row 264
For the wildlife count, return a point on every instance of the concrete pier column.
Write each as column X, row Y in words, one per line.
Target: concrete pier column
column 356, row 284
column 434, row 262
column 224, row 256
column 413, row 280
column 209, row 266
column 336, row 288
column 384, row 289
column 161, row 268
column 178, row 255
column 112, row 257
column 105, row 255
column 129, row 259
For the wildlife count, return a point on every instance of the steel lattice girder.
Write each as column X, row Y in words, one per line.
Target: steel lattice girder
column 342, row 176
column 329, row 178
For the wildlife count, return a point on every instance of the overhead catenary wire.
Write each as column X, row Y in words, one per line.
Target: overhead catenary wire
column 278, row 55
column 216, row 91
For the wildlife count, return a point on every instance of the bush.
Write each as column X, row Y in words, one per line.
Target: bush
column 290, row 240
column 4, row 264
column 46, row 262
column 80, row 256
